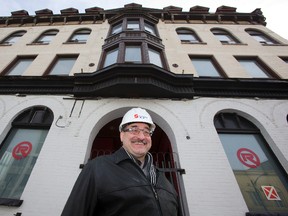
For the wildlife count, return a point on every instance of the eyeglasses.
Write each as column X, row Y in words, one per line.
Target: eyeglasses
column 136, row 131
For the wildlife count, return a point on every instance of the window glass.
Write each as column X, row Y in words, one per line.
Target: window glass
column 80, row 36
column 47, row 37
column 155, row 57
column 111, row 57
column 187, row 37
column 149, row 28
column 223, row 36
column 20, row 67
column 205, row 67
column 14, row 37
column 116, row 28
column 63, row 66
column 285, row 60
column 133, row 54
column 263, row 185
column 18, row 154
column 225, row 39
column 260, row 37
column 253, row 68
column 133, row 25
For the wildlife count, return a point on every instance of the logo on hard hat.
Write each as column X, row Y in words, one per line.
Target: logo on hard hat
column 139, row 116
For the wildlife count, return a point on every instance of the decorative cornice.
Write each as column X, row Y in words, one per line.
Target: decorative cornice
column 171, row 13
column 143, row 81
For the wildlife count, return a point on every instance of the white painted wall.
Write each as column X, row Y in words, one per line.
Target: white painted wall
column 210, row 185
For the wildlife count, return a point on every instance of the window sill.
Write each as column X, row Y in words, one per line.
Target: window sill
column 37, row 43
column 237, row 44
column 187, row 42
column 5, row 44
column 263, row 44
column 265, row 214
column 11, row 202
column 74, row 42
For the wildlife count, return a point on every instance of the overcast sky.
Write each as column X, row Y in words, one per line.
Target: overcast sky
column 274, row 10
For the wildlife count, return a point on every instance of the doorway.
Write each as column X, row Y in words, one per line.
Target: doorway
column 108, row 141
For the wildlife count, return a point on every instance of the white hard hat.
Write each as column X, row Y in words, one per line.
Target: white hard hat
column 137, row 115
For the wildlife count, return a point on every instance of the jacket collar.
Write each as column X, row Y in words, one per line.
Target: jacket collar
column 121, row 155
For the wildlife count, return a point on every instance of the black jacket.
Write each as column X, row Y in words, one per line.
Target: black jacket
column 116, row 185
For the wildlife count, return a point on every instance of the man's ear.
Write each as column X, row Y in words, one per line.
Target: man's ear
column 121, row 136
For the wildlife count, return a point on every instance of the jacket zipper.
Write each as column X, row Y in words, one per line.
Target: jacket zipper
column 157, row 199
column 153, row 189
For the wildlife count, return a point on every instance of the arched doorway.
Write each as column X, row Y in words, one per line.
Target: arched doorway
column 107, row 141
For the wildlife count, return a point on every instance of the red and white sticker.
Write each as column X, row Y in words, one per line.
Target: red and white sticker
column 248, row 158
column 270, row 193
column 22, row 150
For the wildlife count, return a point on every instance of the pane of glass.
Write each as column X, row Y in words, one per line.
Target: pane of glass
column 133, row 24
column 14, row 37
column 117, row 28
column 225, row 38
column 63, row 66
column 12, row 40
column 149, row 28
column 205, row 67
column 111, row 57
column 45, row 38
column 18, row 154
column 262, row 39
column 187, row 37
column 19, row 67
column 254, row 69
column 79, row 37
column 256, row 172
column 155, row 57
column 133, row 54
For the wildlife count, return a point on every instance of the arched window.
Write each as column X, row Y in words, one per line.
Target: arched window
column 19, row 152
column 261, row 37
column 13, row 38
column 224, row 36
column 261, row 178
column 47, row 37
column 187, row 36
column 80, row 36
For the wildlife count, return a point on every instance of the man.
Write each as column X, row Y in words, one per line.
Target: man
column 125, row 183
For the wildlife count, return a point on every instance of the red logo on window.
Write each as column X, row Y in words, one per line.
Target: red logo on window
column 270, row 193
column 248, row 158
column 22, row 150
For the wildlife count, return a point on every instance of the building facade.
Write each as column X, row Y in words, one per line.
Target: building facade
column 215, row 84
